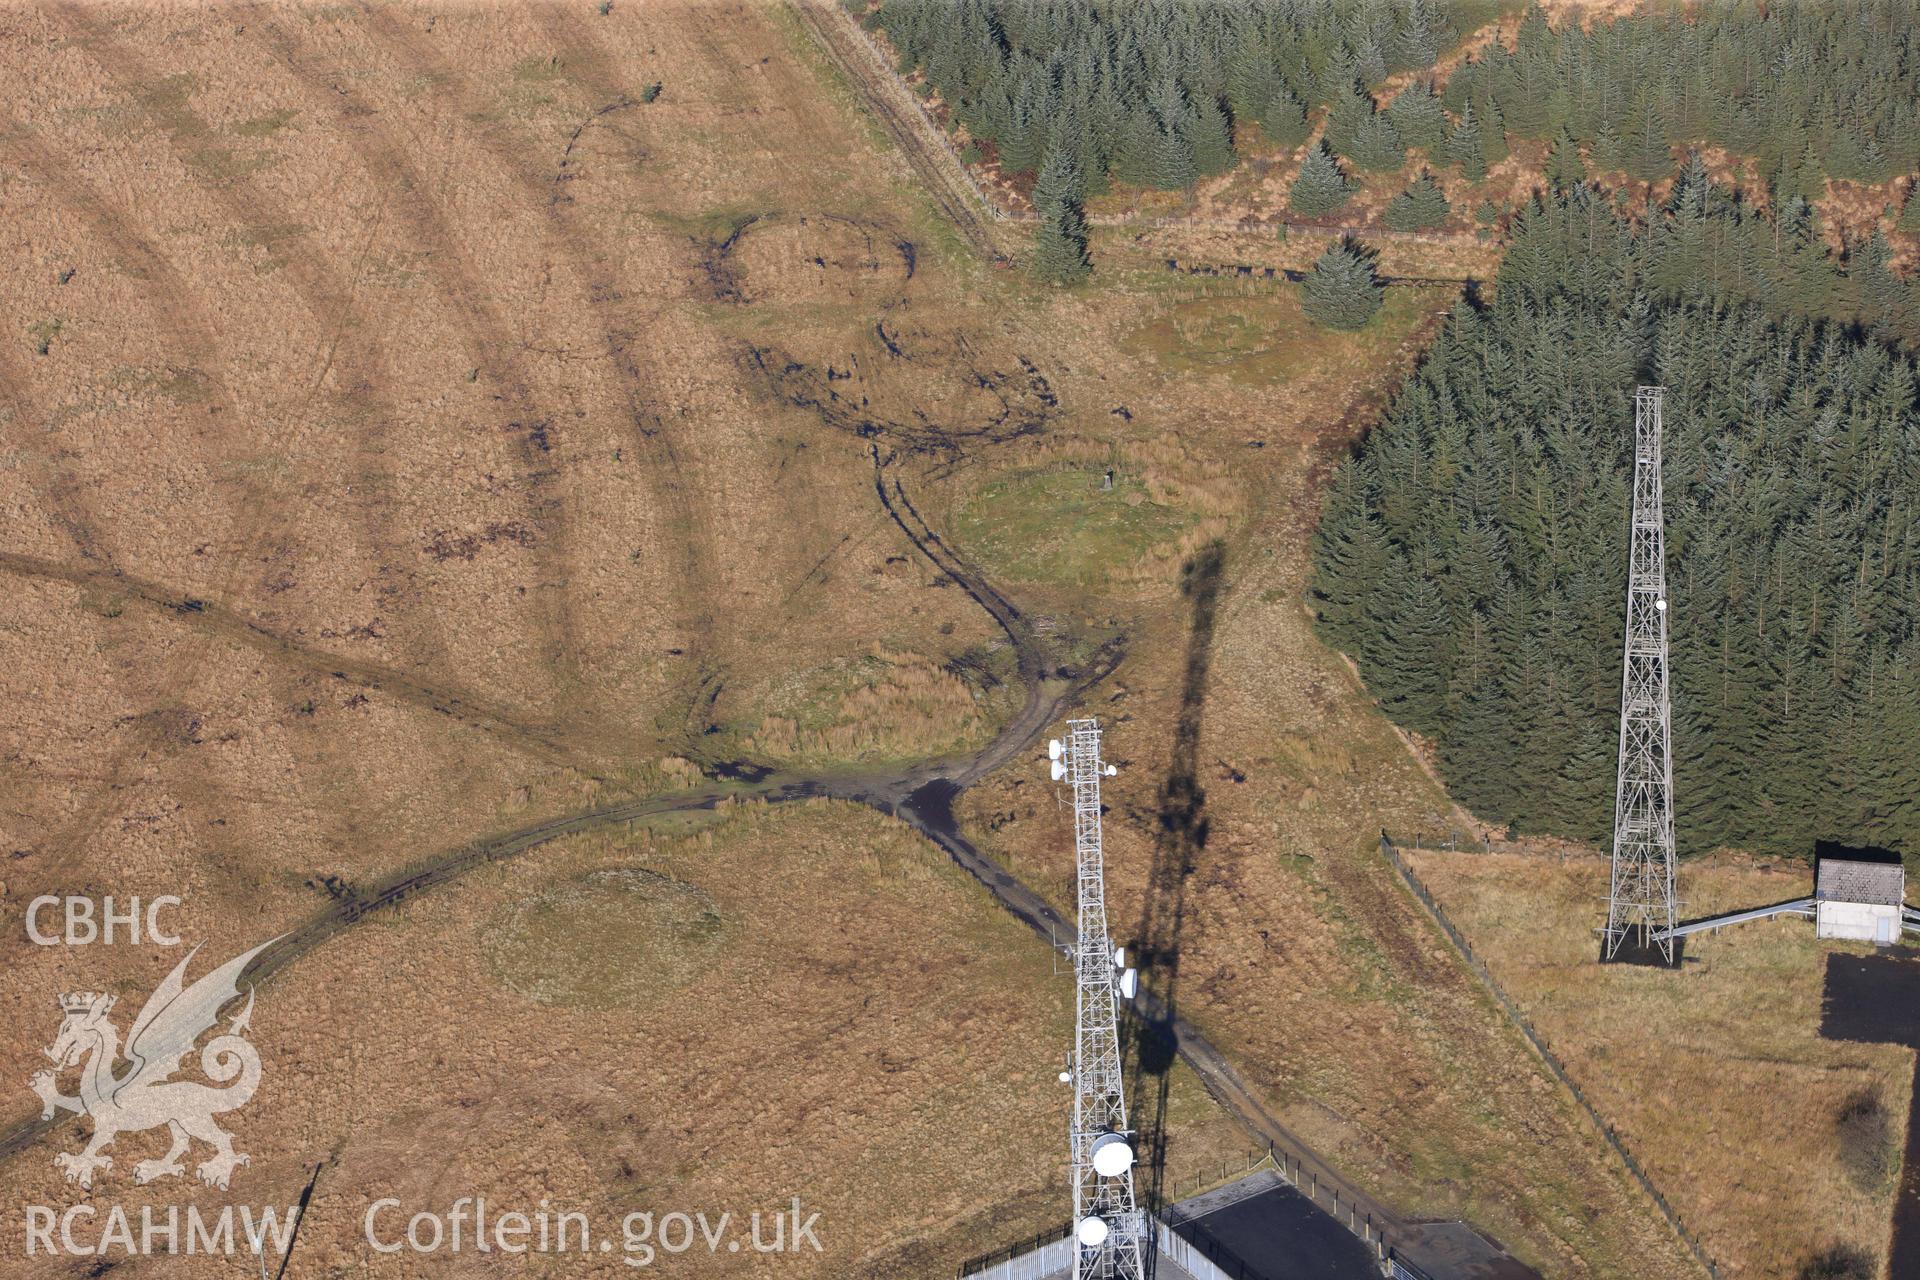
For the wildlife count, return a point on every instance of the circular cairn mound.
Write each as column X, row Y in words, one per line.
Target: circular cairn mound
column 616, row 937
column 819, row 259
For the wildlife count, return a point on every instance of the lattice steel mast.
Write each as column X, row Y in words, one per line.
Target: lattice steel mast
column 1641, row 894
column 1109, row 1227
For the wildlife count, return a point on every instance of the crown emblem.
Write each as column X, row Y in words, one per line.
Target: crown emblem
column 82, row 1001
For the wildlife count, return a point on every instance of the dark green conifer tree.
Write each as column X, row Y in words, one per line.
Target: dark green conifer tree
column 1466, row 148
column 1647, row 155
column 1321, row 188
column 1493, row 133
column 1885, row 300
column 1136, row 146
column 1284, row 121
column 1060, row 243
column 1212, row 141
column 1564, row 166
column 1252, row 80
column 1910, row 212
column 1798, row 175
column 1418, row 41
column 1352, row 108
column 1350, row 556
column 1421, row 206
column 1418, row 117
column 1170, row 164
column 1019, row 143
column 1376, row 146
column 1342, row 292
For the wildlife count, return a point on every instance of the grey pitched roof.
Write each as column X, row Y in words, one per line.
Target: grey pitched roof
column 1845, row 880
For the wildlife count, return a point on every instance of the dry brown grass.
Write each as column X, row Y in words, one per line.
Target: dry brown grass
column 855, row 1024
column 1717, row 1077
column 377, row 336
column 880, row 705
column 389, row 341
column 1299, row 954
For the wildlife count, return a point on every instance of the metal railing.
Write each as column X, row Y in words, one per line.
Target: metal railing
column 996, row 1265
column 1398, row 1268
column 1203, row 1259
column 1030, row 1259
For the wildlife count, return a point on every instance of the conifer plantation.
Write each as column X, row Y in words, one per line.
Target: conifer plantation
column 1159, row 93
column 1472, row 555
column 1809, row 89
column 1156, row 92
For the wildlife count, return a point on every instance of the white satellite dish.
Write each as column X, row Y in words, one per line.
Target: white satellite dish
column 1066, row 1077
column 1054, row 748
column 1058, row 770
column 1129, row 983
column 1112, row 1155
column 1119, row 957
column 1660, row 605
column 1112, row 769
column 1092, row 1230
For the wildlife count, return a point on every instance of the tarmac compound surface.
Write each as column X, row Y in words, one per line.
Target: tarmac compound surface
column 1876, row 999
column 1274, row 1232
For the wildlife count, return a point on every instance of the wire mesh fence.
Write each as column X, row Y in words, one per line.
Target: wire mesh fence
column 1044, row 1255
column 1201, row 1257
column 1419, row 889
column 1182, row 1239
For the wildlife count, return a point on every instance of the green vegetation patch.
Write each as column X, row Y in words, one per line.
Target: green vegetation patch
column 270, row 238
column 1263, row 339
column 1059, row 525
column 615, row 937
column 169, row 101
column 43, row 332
column 537, row 84
column 223, row 166
column 180, row 385
column 265, row 126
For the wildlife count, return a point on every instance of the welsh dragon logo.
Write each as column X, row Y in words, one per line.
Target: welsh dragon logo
column 146, row 1095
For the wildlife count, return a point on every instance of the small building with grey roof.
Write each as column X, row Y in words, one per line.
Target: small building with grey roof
column 1858, row 894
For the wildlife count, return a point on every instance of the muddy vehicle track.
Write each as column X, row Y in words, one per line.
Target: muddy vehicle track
column 483, row 330
column 884, row 102
column 1026, row 403
column 605, row 288
column 180, row 314
column 543, row 741
column 716, row 261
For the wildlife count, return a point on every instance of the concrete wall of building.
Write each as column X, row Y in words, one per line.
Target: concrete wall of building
column 1859, row 921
